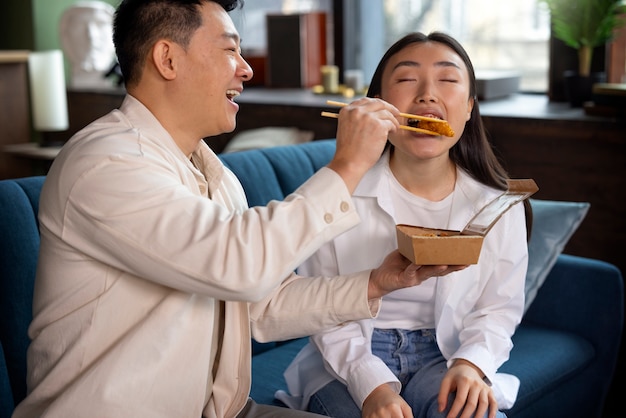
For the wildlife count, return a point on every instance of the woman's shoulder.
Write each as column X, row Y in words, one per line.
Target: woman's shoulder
column 473, row 189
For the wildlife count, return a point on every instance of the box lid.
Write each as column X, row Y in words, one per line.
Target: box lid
column 486, row 218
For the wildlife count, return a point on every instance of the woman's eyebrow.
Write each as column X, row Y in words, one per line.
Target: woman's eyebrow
column 406, row 64
column 417, row 64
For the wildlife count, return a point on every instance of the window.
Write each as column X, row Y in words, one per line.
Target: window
column 512, row 35
column 507, row 35
column 251, row 24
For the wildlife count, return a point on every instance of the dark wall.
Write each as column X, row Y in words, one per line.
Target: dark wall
column 16, row 25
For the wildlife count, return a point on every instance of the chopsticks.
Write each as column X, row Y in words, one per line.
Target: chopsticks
column 406, row 115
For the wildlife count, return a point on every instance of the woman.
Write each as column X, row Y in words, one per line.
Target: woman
column 433, row 350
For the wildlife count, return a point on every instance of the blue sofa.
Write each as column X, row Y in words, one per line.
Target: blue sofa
column 565, row 349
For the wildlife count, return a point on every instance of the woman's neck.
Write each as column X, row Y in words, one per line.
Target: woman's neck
column 433, row 179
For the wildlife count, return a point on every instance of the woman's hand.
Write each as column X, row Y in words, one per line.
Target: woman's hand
column 473, row 395
column 384, row 402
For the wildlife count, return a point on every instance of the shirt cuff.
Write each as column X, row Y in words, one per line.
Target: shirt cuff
column 367, row 377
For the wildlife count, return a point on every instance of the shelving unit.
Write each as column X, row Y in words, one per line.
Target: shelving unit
column 15, row 126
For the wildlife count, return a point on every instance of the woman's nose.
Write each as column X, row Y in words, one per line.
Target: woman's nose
column 425, row 94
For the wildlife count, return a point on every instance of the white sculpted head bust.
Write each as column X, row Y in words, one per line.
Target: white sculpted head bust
column 86, row 31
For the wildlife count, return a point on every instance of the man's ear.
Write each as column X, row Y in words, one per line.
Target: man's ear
column 164, row 59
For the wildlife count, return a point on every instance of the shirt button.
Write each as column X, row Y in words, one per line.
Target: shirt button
column 328, row 218
column 344, row 207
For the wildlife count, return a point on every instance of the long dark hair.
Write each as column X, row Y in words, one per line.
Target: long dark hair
column 472, row 152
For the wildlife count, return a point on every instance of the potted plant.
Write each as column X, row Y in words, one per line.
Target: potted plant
column 584, row 25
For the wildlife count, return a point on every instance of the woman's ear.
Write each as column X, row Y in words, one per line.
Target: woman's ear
column 470, row 107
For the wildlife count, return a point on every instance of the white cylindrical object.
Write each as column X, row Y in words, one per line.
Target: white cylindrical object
column 354, row 80
column 47, row 90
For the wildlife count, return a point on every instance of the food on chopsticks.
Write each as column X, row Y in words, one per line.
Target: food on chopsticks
column 416, row 123
column 440, row 126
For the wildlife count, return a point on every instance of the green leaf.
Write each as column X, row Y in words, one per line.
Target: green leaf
column 584, row 22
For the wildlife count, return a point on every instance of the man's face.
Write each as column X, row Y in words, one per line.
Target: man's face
column 212, row 72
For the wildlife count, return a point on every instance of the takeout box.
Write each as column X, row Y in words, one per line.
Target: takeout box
column 429, row 246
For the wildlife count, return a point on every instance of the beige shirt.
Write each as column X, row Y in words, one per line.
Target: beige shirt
column 135, row 260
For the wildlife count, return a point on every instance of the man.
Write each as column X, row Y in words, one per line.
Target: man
column 152, row 268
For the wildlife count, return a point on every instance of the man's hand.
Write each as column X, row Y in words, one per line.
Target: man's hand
column 383, row 402
column 473, row 395
column 397, row 272
column 362, row 131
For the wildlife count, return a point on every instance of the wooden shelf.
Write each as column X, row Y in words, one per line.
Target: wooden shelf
column 14, row 107
column 32, row 150
column 15, row 56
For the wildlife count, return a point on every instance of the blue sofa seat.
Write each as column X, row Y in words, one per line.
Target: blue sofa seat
column 565, row 349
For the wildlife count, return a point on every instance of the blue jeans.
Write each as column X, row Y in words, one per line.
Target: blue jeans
column 414, row 357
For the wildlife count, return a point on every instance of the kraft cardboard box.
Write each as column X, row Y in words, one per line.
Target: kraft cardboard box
column 430, row 246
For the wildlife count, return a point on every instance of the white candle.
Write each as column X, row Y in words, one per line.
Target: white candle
column 354, row 80
column 47, row 90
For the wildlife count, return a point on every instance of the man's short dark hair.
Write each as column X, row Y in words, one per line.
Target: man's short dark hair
column 138, row 24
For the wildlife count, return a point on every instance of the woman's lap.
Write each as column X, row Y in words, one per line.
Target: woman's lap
column 412, row 356
column 334, row 400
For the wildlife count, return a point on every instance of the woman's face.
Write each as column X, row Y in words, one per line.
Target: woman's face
column 427, row 79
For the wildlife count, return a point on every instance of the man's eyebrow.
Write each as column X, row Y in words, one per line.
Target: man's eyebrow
column 231, row 35
column 417, row 64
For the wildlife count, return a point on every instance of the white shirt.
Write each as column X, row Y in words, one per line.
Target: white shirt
column 476, row 310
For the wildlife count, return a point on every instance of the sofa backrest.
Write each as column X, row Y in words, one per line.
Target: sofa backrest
column 19, row 248
column 272, row 173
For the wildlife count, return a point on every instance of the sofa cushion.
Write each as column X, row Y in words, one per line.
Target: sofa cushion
column 562, row 355
column 268, row 368
column 554, row 222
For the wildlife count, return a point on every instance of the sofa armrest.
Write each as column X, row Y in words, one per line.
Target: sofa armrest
column 586, row 297
column 6, row 394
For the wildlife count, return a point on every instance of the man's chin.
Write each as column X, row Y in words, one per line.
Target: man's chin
column 223, row 130
column 231, row 128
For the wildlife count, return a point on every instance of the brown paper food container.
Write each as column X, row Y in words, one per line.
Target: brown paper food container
column 429, row 246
